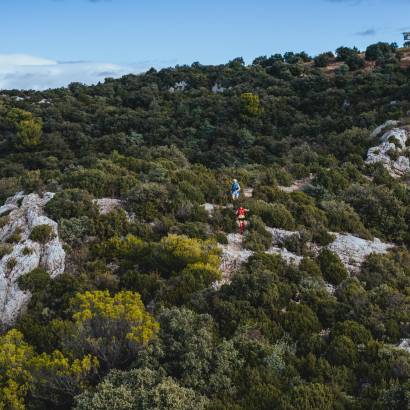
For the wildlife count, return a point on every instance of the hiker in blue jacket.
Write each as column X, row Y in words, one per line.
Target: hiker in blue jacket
column 235, row 189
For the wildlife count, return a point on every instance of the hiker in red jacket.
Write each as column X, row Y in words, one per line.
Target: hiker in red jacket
column 241, row 217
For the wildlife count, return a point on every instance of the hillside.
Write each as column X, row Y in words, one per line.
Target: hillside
column 124, row 281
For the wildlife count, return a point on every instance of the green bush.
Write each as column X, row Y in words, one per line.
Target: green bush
column 71, row 203
column 300, row 321
column 343, row 352
column 11, row 264
column 324, row 59
column 4, row 220
column 355, row 331
column 5, row 249
column 42, row 233
column 15, row 237
column 311, row 267
column 36, row 280
column 27, row 251
column 274, row 215
column 148, row 201
column 74, row 229
column 257, row 238
column 332, row 268
column 309, row 396
column 343, row 218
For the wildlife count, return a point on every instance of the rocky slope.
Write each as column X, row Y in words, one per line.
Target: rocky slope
column 351, row 250
column 20, row 255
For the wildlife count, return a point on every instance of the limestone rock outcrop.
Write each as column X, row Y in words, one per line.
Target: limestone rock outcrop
column 107, row 205
column 390, row 152
column 20, row 255
column 404, row 345
column 353, row 251
column 233, row 256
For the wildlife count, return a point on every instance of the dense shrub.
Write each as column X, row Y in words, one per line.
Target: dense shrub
column 332, row 268
column 274, row 215
column 42, row 233
column 71, row 203
column 257, row 238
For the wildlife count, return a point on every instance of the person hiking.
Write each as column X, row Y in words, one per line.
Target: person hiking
column 235, row 189
column 241, row 218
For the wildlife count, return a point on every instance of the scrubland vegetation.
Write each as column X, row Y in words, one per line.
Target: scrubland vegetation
column 134, row 322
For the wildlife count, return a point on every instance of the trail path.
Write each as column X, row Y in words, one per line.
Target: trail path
column 233, row 256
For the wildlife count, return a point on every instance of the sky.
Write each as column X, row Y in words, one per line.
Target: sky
column 50, row 43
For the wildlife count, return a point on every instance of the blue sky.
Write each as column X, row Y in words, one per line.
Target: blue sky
column 52, row 42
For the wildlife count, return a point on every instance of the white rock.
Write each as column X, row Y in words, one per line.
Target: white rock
column 26, row 212
column 289, row 257
column 380, row 153
column 248, row 192
column 217, row 88
column 404, row 345
column 179, row 86
column 352, row 250
column 381, row 128
column 209, row 208
column 331, row 289
column 280, row 235
column 107, row 205
column 234, row 255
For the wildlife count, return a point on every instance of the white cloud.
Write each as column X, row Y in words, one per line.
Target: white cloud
column 20, row 71
column 23, row 60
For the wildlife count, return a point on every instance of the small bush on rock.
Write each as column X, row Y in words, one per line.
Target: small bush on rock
column 42, row 233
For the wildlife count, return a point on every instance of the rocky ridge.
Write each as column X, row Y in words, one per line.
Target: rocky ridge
column 20, row 255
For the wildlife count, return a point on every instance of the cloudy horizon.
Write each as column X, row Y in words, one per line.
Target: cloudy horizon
column 24, row 71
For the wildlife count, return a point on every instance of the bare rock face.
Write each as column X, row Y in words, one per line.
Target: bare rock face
column 21, row 214
column 393, row 141
column 352, row 250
